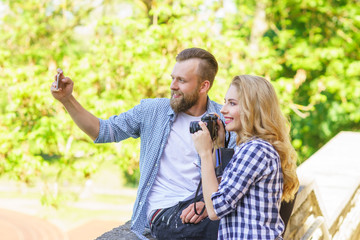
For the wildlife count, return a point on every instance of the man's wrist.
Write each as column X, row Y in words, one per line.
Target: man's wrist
column 68, row 100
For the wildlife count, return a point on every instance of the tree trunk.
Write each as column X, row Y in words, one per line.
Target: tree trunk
column 259, row 26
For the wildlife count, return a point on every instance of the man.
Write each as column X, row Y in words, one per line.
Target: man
column 169, row 164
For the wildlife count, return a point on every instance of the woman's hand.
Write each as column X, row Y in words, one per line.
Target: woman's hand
column 219, row 142
column 202, row 140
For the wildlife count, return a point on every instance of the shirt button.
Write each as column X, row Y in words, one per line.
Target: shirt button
column 140, row 203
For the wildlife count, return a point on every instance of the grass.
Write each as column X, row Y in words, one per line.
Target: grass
column 103, row 197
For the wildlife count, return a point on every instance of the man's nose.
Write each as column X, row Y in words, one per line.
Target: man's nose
column 173, row 85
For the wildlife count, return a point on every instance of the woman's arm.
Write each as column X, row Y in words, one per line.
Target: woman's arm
column 209, row 183
column 204, row 146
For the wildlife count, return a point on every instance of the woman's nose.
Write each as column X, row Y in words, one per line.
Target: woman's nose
column 222, row 110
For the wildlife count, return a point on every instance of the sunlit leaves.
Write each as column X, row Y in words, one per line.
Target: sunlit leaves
column 118, row 52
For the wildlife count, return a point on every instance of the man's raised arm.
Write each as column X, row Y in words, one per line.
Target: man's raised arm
column 86, row 121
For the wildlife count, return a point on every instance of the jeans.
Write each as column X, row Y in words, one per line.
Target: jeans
column 168, row 225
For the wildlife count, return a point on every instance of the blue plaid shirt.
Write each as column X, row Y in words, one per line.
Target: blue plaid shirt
column 151, row 120
column 249, row 195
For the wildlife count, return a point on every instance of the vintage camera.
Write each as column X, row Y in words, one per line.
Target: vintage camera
column 211, row 123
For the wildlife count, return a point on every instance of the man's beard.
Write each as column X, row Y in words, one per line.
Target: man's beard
column 183, row 103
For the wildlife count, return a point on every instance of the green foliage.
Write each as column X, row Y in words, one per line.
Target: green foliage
column 323, row 43
column 118, row 52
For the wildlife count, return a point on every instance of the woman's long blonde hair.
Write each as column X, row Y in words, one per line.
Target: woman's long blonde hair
column 261, row 116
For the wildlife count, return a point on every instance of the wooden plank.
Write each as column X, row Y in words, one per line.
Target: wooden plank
column 335, row 168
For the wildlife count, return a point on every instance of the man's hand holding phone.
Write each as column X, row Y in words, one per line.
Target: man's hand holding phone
column 57, row 82
column 62, row 87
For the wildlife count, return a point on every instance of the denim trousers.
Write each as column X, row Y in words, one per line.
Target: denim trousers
column 168, row 225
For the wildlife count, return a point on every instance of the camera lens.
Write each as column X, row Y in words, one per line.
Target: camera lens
column 194, row 126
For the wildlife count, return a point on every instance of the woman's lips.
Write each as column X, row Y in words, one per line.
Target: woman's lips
column 228, row 120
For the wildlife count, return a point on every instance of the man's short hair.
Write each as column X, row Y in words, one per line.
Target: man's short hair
column 208, row 67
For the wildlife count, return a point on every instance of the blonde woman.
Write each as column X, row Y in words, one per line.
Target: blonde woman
column 261, row 172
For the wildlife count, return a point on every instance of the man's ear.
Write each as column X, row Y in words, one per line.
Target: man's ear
column 204, row 86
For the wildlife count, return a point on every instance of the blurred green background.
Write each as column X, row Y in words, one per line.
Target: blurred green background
column 118, row 52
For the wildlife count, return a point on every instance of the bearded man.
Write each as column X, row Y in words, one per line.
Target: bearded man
column 169, row 164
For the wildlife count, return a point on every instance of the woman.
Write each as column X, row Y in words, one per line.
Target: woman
column 261, row 172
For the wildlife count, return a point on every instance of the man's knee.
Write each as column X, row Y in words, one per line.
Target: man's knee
column 171, row 227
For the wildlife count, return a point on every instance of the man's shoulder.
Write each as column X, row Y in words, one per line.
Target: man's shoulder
column 155, row 106
column 156, row 102
column 215, row 106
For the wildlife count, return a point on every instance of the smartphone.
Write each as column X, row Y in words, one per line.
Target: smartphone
column 57, row 81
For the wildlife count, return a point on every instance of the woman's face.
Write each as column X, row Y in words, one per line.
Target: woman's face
column 231, row 110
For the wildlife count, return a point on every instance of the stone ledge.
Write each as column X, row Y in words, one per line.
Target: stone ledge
column 122, row 232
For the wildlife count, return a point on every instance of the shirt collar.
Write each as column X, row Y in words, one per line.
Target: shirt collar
column 210, row 107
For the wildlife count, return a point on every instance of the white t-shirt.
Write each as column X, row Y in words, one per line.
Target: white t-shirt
column 178, row 176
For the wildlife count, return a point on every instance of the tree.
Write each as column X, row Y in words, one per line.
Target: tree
column 119, row 52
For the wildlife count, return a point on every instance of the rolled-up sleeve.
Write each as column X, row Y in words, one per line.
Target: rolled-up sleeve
column 120, row 127
column 246, row 166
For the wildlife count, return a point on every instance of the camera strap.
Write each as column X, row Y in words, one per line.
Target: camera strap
column 196, row 194
column 223, row 157
column 227, row 140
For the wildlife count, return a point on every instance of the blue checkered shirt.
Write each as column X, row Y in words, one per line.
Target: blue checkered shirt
column 151, row 120
column 249, row 195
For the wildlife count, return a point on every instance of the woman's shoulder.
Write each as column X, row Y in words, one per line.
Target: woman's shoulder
column 257, row 145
